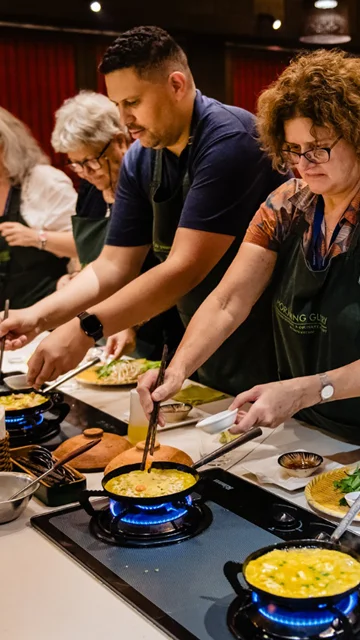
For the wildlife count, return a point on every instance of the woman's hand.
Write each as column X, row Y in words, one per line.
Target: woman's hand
column 173, row 381
column 121, row 343
column 21, row 327
column 275, row 402
column 19, row 235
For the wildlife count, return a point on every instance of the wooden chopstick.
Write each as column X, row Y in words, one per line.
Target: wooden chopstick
column 151, row 433
column 3, row 339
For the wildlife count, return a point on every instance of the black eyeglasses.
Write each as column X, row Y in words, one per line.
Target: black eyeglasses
column 318, row 155
column 92, row 164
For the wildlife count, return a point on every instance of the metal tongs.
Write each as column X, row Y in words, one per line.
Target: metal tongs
column 151, row 433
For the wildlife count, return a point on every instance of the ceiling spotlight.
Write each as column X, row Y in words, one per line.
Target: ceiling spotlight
column 326, row 4
column 95, row 6
column 276, row 24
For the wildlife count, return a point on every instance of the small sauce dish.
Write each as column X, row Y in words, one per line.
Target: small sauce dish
column 351, row 497
column 175, row 411
column 218, row 422
column 300, row 464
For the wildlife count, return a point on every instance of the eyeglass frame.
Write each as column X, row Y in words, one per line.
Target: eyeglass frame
column 299, row 155
column 83, row 165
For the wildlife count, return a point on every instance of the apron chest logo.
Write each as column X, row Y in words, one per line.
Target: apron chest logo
column 301, row 322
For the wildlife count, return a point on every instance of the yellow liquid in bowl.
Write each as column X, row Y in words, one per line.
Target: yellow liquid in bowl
column 137, row 433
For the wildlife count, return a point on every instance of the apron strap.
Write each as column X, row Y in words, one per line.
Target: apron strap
column 157, row 173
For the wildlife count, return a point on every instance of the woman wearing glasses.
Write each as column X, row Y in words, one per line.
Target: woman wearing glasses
column 37, row 202
column 304, row 241
column 88, row 130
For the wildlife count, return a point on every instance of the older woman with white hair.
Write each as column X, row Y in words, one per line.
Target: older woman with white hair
column 88, row 130
column 36, row 205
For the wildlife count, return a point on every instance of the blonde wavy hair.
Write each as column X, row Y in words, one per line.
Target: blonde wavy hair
column 323, row 86
column 20, row 151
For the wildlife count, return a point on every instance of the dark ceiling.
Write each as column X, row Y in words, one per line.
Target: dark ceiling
column 239, row 20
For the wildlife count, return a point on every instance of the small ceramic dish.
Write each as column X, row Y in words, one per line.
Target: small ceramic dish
column 175, row 411
column 300, row 464
column 218, row 422
column 17, row 383
column 351, row 497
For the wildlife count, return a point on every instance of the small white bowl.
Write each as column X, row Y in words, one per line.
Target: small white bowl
column 218, row 422
column 17, row 383
column 351, row 497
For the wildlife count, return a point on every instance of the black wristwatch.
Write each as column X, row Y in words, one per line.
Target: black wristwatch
column 91, row 325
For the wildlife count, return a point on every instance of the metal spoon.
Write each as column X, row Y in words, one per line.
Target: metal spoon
column 343, row 525
column 69, row 456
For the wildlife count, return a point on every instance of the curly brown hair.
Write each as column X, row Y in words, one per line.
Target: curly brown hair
column 321, row 85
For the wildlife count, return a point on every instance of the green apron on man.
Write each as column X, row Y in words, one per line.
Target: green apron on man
column 247, row 357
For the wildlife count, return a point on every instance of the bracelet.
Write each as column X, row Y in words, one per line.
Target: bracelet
column 42, row 239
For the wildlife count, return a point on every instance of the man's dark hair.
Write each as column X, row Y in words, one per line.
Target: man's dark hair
column 146, row 49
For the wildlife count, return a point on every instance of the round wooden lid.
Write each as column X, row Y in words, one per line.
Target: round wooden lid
column 99, row 456
column 162, row 453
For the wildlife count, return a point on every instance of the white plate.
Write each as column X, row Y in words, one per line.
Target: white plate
column 194, row 416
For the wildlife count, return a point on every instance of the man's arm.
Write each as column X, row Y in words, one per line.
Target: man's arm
column 113, row 269
column 192, row 257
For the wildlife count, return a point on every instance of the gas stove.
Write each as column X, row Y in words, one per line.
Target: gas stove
column 178, row 583
column 66, row 419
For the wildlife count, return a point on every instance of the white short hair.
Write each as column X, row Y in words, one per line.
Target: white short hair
column 20, row 151
column 88, row 118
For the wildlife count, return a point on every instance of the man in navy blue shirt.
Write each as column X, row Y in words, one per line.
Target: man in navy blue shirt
column 189, row 187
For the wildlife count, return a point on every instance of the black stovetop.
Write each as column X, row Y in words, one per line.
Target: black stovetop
column 181, row 587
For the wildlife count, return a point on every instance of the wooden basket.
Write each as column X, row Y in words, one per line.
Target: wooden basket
column 5, row 461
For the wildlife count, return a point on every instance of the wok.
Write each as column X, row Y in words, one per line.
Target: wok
column 233, row 569
column 173, row 497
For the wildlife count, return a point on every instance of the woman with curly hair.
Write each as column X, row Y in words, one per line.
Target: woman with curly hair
column 305, row 241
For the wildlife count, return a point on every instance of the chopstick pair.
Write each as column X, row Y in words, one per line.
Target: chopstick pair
column 151, row 433
column 3, row 340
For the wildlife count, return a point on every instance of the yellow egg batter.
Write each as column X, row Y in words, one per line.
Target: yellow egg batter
column 159, row 482
column 304, row 573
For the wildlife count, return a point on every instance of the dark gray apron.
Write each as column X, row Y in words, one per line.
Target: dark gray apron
column 316, row 317
column 27, row 274
column 247, row 357
column 89, row 235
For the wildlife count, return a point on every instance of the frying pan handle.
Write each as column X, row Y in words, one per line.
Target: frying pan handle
column 85, row 502
column 243, row 437
column 345, row 622
column 60, row 412
column 231, row 572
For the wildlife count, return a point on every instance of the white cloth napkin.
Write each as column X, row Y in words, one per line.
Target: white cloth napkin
column 268, row 471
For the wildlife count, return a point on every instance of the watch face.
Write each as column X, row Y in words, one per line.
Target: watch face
column 91, row 324
column 327, row 392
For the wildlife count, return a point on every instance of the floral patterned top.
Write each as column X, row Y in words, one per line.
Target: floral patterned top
column 271, row 223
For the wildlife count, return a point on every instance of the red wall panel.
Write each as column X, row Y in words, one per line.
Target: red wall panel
column 250, row 74
column 35, row 78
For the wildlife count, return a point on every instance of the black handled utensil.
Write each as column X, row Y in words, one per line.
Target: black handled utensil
column 151, row 433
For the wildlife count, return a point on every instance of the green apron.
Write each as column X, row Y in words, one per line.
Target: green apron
column 316, row 318
column 247, row 357
column 27, row 274
column 89, row 235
